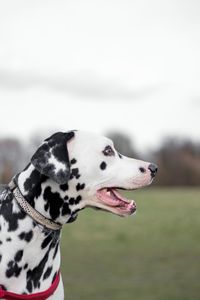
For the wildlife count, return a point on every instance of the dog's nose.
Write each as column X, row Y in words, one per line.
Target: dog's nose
column 154, row 169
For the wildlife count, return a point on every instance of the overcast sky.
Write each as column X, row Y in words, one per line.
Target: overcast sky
column 133, row 66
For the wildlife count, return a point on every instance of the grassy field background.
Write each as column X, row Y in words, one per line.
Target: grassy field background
column 154, row 255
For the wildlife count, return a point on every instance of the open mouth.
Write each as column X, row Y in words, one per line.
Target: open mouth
column 112, row 200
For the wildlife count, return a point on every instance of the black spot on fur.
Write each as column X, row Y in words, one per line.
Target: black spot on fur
column 78, row 199
column 120, row 156
column 71, row 201
column 54, row 277
column 0, row 257
column 6, row 210
column 47, row 273
column 25, row 266
column 54, row 202
column 66, row 210
column 29, row 286
column 59, row 143
column 73, row 161
column 103, row 165
column 75, row 173
column 9, row 239
column 80, row 186
column 64, row 187
column 142, row 170
column 56, row 250
column 1, row 242
column 33, row 185
column 18, row 255
column 46, row 241
column 27, row 236
column 13, row 269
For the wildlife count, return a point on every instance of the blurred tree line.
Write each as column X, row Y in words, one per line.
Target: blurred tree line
column 178, row 159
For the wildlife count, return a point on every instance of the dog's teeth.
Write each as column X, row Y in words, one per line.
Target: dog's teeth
column 132, row 202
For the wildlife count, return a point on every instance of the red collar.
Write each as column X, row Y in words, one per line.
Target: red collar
column 36, row 296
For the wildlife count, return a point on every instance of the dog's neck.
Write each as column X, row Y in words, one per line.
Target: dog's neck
column 30, row 254
column 54, row 201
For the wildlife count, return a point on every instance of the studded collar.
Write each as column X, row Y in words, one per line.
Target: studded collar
column 27, row 208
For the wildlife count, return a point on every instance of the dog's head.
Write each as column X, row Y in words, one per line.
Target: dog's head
column 88, row 168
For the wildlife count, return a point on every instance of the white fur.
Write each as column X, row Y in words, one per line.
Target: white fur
column 87, row 149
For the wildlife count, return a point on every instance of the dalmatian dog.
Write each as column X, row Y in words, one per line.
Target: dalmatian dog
column 68, row 172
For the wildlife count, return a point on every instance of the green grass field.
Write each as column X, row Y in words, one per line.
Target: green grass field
column 154, row 255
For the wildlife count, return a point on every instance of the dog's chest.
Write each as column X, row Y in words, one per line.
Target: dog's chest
column 26, row 251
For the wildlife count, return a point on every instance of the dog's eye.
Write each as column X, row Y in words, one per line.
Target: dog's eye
column 108, row 151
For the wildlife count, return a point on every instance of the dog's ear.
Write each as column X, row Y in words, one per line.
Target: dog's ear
column 52, row 158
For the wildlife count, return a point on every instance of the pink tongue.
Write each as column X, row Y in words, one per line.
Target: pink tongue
column 111, row 197
column 114, row 199
column 117, row 196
